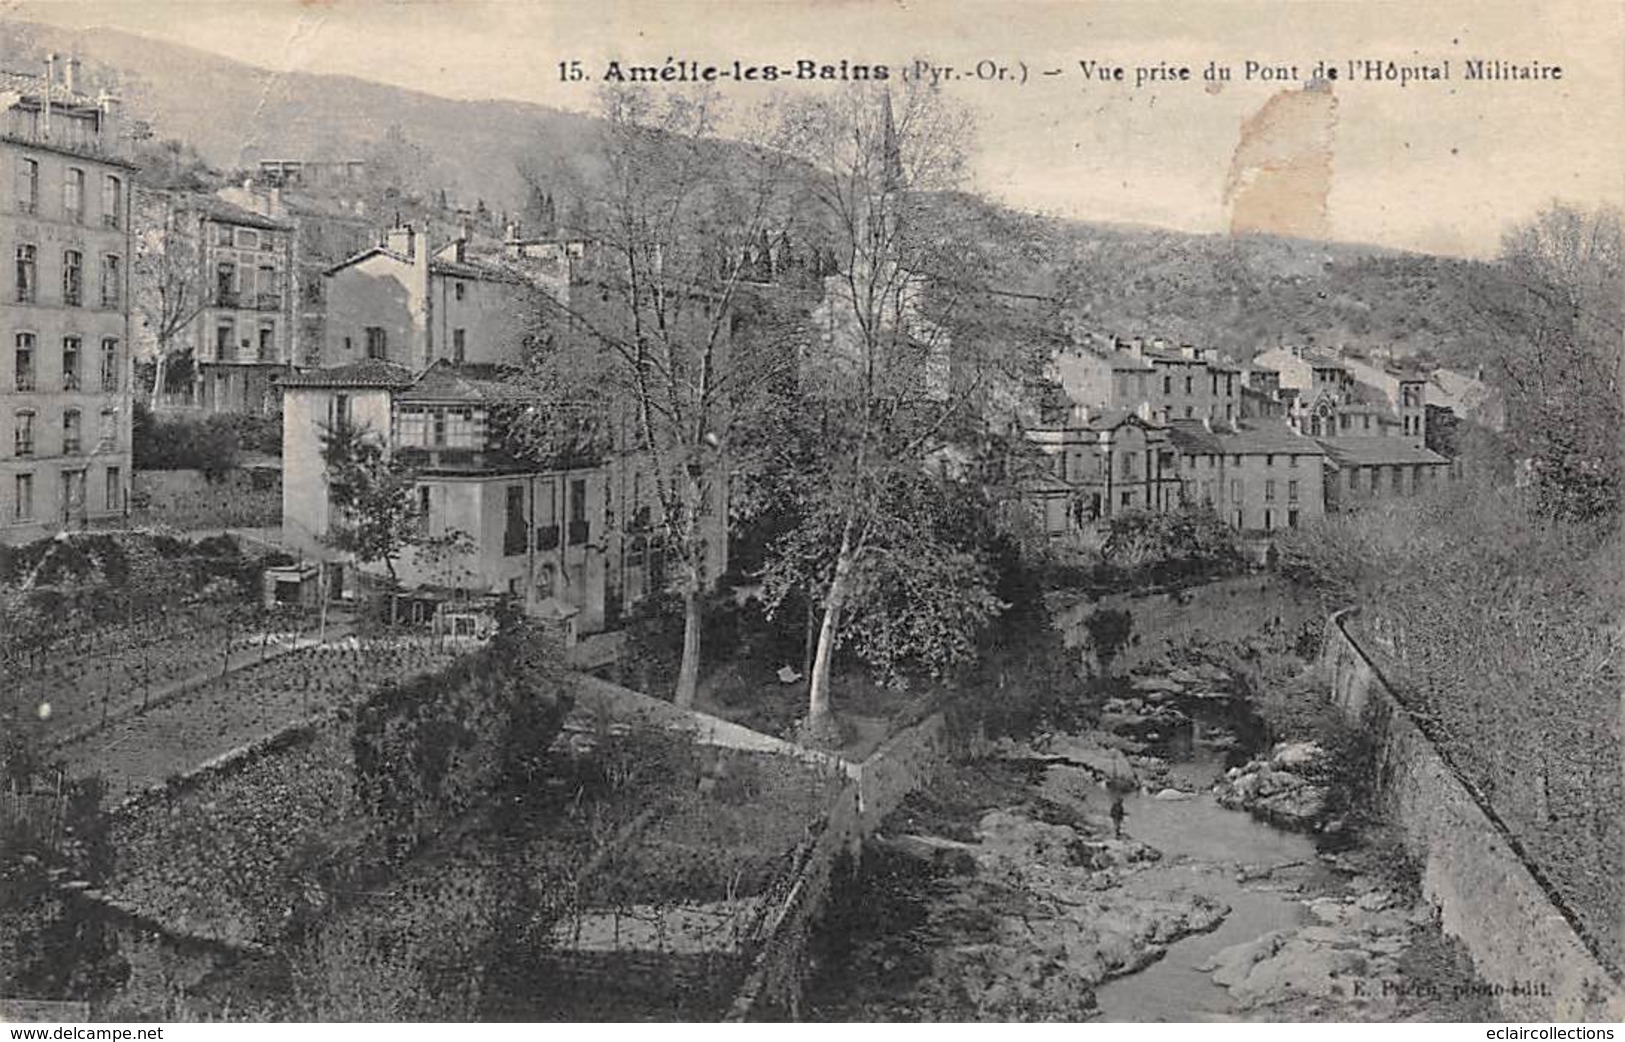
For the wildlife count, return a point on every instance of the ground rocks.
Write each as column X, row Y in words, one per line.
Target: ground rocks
column 1284, row 790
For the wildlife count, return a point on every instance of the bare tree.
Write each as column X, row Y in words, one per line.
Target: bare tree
column 169, row 283
column 646, row 326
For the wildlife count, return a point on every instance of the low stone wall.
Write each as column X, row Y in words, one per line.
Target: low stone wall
column 186, row 499
column 640, row 710
column 902, row 764
column 1522, row 940
column 1240, row 608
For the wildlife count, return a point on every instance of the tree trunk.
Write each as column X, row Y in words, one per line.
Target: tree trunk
column 688, row 673
column 821, row 728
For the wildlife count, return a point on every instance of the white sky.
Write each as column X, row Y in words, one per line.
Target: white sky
column 1440, row 167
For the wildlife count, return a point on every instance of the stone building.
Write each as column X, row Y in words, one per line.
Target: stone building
column 65, row 389
column 1179, row 382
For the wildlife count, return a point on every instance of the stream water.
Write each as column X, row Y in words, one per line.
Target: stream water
column 1202, row 844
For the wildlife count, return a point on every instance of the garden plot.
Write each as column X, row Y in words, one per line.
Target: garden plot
column 146, row 749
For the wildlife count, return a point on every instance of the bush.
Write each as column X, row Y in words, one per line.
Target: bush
column 210, row 445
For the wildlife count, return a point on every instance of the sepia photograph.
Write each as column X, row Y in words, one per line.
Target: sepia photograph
column 858, row 511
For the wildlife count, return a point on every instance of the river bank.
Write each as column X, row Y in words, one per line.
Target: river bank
column 1003, row 893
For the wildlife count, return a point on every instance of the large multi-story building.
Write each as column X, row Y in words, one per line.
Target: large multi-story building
column 406, row 303
column 1179, row 382
column 65, row 389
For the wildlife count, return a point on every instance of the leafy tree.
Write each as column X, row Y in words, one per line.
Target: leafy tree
column 1560, row 362
column 650, row 339
column 374, row 493
column 884, row 383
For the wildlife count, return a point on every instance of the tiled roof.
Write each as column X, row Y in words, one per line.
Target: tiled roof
column 1368, row 452
column 1245, row 440
column 370, row 373
column 477, row 270
column 32, row 86
column 217, row 209
column 444, row 381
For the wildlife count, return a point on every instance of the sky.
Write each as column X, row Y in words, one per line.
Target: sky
column 1440, row 166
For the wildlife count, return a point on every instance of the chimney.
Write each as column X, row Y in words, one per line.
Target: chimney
column 1136, row 347
column 1080, row 415
column 45, row 94
column 276, row 201
column 110, row 128
column 1187, row 351
column 70, row 73
column 403, row 240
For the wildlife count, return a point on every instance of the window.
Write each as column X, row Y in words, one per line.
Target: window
column 1127, row 499
column 111, row 381
column 23, row 372
column 1416, row 477
column 422, row 513
column 1292, row 461
column 27, row 274
column 73, row 494
column 458, row 290
column 267, row 242
column 267, row 347
column 1215, row 384
column 225, row 284
column 1292, row 519
column 1269, row 459
column 112, row 201
column 1128, row 465
column 1229, row 386
column 1269, row 519
column 1291, row 491
column 1235, row 461
column 225, row 340
column 113, row 496
column 73, row 195
column 338, row 414
column 1354, row 478
column 27, row 186
column 1235, row 490
column 22, row 505
column 112, row 281
column 578, row 512
column 1167, row 385
column 22, row 430
column 221, row 234
column 1187, row 385
column 73, row 278
column 70, row 431
column 458, row 346
column 107, row 434
column 1397, row 480
column 1207, row 492
column 1269, row 491
column 377, row 342
column 248, row 239
column 1190, row 411
column 70, row 363
column 439, row 427
column 269, row 293
column 513, row 531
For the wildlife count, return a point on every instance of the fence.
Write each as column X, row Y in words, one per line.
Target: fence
column 1524, row 941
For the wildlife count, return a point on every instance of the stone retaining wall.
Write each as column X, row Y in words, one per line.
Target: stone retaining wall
column 1240, row 609
column 1522, row 941
column 907, row 760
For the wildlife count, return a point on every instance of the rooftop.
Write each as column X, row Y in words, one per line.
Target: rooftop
column 445, row 381
column 1247, row 439
column 1376, row 451
column 370, row 373
column 32, row 86
column 217, row 209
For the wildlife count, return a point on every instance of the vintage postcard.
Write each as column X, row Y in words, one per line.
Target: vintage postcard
column 525, row 511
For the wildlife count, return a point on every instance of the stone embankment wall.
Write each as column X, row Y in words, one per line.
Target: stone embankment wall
column 1521, row 938
column 906, row 761
column 1240, row 609
column 186, row 499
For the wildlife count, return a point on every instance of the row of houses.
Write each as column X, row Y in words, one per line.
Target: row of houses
column 1271, row 443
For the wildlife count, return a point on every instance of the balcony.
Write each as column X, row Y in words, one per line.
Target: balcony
column 227, row 298
column 547, row 537
column 268, row 302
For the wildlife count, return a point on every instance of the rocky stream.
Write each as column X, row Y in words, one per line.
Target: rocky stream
column 1234, row 892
